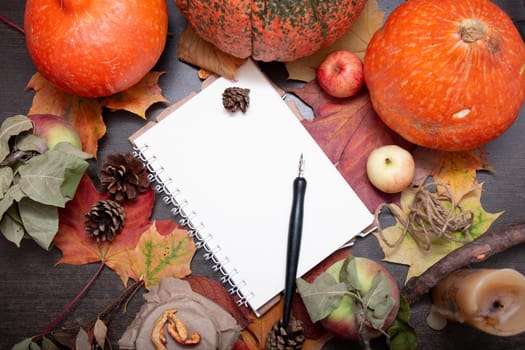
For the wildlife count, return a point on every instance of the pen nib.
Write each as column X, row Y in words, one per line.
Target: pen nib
column 301, row 165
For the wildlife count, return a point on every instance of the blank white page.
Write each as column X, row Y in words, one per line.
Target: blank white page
column 236, row 172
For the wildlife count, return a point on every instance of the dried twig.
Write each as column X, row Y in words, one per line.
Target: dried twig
column 480, row 249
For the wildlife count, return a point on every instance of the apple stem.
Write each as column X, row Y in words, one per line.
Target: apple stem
column 12, row 24
column 364, row 339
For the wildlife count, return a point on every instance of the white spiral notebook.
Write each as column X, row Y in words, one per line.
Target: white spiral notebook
column 230, row 176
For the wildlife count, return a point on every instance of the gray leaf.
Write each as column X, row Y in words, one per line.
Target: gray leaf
column 51, row 178
column 6, row 178
column 12, row 229
column 40, row 221
column 322, row 296
column 68, row 148
column 30, row 142
column 13, row 194
column 10, row 127
column 348, row 274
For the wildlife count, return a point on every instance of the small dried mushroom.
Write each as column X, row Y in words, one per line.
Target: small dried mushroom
column 176, row 329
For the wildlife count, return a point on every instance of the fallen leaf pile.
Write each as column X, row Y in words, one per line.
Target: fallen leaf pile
column 144, row 250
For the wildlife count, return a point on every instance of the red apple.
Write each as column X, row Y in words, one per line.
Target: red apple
column 341, row 74
column 342, row 322
column 95, row 48
column 390, row 168
column 55, row 130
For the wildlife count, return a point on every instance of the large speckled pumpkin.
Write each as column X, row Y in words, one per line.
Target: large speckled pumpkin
column 447, row 74
column 270, row 30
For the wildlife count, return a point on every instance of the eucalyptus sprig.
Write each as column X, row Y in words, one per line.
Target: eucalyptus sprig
column 34, row 181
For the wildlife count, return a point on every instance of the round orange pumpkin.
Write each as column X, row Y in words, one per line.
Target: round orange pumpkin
column 447, row 74
column 95, row 48
column 270, row 30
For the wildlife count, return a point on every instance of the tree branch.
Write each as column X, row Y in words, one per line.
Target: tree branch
column 480, row 249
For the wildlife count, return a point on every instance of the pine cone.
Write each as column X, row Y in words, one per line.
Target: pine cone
column 123, row 176
column 290, row 338
column 105, row 220
column 235, row 98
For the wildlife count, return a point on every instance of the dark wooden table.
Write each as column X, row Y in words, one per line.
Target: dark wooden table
column 33, row 290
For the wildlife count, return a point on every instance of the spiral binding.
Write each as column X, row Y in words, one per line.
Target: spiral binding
column 188, row 217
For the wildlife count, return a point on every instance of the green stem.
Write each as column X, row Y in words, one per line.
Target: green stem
column 12, row 24
column 68, row 307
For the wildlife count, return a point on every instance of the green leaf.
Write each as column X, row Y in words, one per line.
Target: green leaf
column 34, row 346
column 348, row 274
column 40, row 221
column 379, row 301
column 13, row 194
column 47, row 344
column 23, row 345
column 82, row 340
column 51, row 178
column 322, row 296
column 402, row 336
column 404, row 309
column 6, row 179
column 12, row 126
column 12, row 229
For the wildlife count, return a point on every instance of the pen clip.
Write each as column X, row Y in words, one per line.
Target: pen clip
column 365, row 232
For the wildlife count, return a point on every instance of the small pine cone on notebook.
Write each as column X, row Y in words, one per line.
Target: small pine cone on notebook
column 290, row 338
column 235, row 98
column 105, row 220
column 123, row 176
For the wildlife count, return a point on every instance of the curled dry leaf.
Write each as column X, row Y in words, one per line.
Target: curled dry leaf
column 198, row 52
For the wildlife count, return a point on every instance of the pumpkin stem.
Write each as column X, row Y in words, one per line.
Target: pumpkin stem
column 472, row 30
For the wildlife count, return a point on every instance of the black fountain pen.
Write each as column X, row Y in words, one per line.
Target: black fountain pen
column 294, row 241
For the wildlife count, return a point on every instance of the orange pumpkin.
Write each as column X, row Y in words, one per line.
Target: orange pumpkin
column 447, row 74
column 270, row 30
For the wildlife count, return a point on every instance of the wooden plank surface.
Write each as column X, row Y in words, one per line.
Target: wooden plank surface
column 33, row 290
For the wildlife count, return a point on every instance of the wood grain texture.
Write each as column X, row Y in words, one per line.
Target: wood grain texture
column 33, row 290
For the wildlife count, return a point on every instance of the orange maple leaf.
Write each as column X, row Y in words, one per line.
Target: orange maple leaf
column 120, row 254
column 85, row 114
column 348, row 130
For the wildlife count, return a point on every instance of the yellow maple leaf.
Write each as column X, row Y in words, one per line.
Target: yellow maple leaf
column 85, row 114
column 162, row 255
column 418, row 259
column 355, row 39
column 458, row 171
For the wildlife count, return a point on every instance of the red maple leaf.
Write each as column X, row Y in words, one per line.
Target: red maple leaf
column 348, row 130
column 80, row 248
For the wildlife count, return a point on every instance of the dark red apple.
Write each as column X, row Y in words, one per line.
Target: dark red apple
column 95, row 48
column 340, row 74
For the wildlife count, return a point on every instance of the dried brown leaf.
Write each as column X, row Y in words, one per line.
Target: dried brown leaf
column 198, row 52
